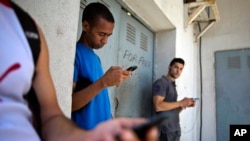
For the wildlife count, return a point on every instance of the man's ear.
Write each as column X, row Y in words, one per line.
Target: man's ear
column 85, row 26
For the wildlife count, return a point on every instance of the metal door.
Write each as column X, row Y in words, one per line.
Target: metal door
column 134, row 96
column 232, row 90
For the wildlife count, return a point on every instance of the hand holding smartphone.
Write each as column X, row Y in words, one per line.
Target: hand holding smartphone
column 141, row 130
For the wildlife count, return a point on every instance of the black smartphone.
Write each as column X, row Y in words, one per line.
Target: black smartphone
column 156, row 120
column 132, row 68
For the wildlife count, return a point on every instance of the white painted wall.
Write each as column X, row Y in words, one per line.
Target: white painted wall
column 232, row 32
column 58, row 20
column 179, row 43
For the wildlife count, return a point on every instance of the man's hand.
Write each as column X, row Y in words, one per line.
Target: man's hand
column 114, row 76
column 120, row 129
column 187, row 102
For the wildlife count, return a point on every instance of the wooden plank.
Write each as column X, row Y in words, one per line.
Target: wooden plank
column 216, row 12
column 204, row 30
column 200, row 3
column 197, row 8
column 196, row 13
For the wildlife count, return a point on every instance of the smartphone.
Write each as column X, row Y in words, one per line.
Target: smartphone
column 196, row 98
column 132, row 68
column 140, row 130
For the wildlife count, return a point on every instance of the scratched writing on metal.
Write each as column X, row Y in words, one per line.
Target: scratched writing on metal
column 134, row 58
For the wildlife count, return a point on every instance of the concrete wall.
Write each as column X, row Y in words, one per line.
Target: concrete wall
column 58, row 20
column 232, row 32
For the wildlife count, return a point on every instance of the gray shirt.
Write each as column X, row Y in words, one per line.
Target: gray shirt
column 166, row 88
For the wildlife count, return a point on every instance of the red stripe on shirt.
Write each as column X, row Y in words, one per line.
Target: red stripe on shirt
column 6, row 3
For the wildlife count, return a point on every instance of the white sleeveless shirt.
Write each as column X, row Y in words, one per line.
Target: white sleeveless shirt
column 16, row 71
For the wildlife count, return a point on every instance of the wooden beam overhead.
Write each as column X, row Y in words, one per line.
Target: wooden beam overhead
column 196, row 9
column 196, row 13
column 204, row 30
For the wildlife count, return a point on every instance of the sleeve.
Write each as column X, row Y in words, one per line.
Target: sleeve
column 76, row 67
column 159, row 89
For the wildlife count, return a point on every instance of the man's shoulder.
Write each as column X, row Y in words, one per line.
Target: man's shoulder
column 80, row 45
column 82, row 51
column 162, row 79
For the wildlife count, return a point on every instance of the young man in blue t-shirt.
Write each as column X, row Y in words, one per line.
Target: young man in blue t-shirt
column 90, row 98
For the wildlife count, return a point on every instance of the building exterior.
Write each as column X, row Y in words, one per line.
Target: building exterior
column 156, row 32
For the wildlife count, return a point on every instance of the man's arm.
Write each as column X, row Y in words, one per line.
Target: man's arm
column 82, row 97
column 161, row 105
column 114, row 76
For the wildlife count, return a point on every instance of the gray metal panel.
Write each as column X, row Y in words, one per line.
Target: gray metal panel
column 134, row 96
column 232, row 90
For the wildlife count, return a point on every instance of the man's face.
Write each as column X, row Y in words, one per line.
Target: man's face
column 176, row 70
column 97, row 35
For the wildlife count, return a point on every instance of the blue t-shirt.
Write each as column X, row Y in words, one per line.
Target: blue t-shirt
column 88, row 65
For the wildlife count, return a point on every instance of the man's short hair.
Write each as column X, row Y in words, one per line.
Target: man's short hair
column 94, row 11
column 177, row 60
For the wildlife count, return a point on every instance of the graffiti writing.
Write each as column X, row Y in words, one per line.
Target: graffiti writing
column 135, row 59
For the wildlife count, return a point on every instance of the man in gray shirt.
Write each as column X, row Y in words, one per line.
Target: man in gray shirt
column 165, row 100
